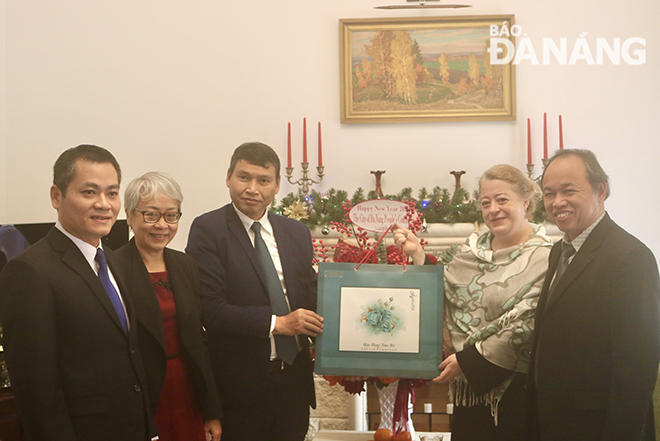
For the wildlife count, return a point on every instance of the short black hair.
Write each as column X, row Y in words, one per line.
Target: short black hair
column 256, row 153
column 595, row 173
column 64, row 170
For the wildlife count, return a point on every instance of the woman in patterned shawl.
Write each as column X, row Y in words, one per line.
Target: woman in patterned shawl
column 491, row 292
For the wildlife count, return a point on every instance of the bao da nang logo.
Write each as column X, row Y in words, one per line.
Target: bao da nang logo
column 581, row 51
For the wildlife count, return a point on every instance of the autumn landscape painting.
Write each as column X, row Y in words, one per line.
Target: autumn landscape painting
column 425, row 73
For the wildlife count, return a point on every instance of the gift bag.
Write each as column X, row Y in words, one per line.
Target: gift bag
column 380, row 320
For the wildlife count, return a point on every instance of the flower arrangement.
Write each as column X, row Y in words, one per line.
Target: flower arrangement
column 361, row 250
column 297, row 210
column 355, row 246
column 378, row 316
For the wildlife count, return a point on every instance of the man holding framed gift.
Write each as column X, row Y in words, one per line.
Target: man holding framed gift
column 258, row 293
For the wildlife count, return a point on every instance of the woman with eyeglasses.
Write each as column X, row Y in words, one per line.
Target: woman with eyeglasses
column 164, row 285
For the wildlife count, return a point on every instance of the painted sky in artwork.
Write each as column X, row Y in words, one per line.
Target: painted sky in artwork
column 433, row 41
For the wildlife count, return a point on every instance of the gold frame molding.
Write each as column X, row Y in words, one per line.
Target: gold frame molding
column 361, row 94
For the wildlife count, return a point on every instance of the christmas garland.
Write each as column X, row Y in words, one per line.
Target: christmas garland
column 436, row 206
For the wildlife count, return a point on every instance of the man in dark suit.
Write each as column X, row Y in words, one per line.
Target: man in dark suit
column 69, row 339
column 259, row 351
column 596, row 343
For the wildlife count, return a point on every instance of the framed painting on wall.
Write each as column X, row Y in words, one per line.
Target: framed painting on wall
column 425, row 69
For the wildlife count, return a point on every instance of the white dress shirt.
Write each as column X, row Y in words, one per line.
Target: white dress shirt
column 269, row 238
column 89, row 252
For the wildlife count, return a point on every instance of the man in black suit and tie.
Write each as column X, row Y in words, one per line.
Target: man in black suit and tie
column 258, row 292
column 596, row 344
column 69, row 336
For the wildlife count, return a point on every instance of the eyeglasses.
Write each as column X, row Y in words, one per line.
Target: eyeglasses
column 151, row 217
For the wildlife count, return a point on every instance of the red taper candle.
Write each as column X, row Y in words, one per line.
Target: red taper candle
column 529, row 141
column 304, row 139
column 288, row 147
column 320, row 154
column 545, row 135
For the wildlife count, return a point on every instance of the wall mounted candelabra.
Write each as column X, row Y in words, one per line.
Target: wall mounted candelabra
column 530, row 169
column 305, row 182
column 544, row 160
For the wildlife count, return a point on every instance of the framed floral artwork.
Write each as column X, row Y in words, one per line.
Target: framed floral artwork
column 379, row 320
column 425, row 69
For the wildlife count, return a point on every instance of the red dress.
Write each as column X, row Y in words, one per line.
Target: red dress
column 178, row 417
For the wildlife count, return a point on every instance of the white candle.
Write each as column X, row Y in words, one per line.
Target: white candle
column 428, row 407
column 450, row 409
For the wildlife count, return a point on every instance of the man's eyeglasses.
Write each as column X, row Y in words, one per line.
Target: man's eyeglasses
column 151, row 217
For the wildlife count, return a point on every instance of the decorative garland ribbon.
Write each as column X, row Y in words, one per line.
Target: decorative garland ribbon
column 405, row 393
column 373, row 250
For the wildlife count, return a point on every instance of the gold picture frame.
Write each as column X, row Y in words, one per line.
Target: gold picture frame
column 443, row 74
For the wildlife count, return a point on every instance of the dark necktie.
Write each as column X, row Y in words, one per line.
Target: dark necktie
column 110, row 288
column 566, row 253
column 287, row 349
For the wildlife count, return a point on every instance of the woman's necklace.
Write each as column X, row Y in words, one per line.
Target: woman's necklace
column 164, row 283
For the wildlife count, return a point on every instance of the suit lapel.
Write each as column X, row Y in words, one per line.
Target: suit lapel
column 237, row 228
column 553, row 261
column 581, row 261
column 180, row 286
column 122, row 283
column 286, row 256
column 74, row 259
column 144, row 296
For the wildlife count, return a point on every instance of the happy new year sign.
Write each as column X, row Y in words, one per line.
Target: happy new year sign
column 378, row 214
